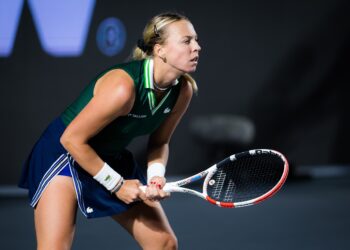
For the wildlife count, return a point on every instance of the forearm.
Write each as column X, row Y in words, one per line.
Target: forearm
column 85, row 156
column 158, row 153
column 88, row 159
column 157, row 160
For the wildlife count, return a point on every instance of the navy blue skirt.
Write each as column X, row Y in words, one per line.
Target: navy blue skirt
column 48, row 159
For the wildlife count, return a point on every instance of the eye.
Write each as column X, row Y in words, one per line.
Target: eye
column 187, row 41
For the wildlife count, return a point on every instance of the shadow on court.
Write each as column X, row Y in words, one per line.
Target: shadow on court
column 312, row 214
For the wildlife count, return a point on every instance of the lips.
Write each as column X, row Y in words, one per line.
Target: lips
column 195, row 59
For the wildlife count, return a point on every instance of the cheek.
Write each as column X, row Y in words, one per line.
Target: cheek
column 178, row 54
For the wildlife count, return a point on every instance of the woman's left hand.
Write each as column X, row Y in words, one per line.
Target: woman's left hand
column 154, row 190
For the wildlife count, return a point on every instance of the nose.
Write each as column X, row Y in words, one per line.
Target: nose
column 197, row 47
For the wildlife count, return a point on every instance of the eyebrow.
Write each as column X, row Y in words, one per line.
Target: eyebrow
column 190, row 37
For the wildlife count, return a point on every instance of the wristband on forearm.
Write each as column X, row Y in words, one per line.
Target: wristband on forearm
column 155, row 169
column 109, row 178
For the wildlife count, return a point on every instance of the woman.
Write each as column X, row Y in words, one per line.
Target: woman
column 81, row 160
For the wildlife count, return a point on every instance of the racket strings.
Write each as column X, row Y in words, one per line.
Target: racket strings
column 220, row 180
column 245, row 178
column 229, row 191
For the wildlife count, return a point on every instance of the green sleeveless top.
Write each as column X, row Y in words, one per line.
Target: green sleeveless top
column 145, row 116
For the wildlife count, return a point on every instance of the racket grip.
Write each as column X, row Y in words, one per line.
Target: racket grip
column 166, row 188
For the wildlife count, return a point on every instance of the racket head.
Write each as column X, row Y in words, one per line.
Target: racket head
column 246, row 178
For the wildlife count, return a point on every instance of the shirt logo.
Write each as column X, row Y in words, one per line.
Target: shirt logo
column 89, row 210
column 137, row 116
column 167, row 110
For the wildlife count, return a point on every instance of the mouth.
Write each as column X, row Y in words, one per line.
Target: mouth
column 195, row 59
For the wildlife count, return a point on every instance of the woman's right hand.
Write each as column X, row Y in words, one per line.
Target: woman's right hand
column 130, row 192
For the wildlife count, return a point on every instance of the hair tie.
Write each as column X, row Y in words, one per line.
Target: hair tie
column 141, row 44
column 156, row 32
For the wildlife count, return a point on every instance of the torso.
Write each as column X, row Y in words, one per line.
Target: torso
column 149, row 110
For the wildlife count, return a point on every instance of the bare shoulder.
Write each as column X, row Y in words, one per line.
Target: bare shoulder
column 115, row 81
column 116, row 90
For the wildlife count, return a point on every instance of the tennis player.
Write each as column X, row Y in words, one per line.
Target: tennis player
column 81, row 161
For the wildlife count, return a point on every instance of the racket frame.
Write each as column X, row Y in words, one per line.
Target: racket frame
column 176, row 186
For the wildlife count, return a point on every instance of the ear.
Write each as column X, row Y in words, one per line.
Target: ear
column 159, row 50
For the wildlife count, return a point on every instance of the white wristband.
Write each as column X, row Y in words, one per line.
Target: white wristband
column 108, row 177
column 155, row 169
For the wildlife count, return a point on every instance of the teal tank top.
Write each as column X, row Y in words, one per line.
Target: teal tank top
column 145, row 116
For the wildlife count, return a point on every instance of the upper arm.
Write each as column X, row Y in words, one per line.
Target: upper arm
column 163, row 134
column 114, row 97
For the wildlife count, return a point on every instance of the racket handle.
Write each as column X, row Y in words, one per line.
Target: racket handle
column 166, row 188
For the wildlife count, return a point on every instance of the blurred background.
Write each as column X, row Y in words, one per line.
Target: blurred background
column 272, row 74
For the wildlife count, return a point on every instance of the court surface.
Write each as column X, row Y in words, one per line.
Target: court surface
column 305, row 214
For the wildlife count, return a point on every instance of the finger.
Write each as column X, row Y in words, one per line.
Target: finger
column 160, row 194
column 142, row 196
column 148, row 192
column 163, row 194
column 167, row 194
column 158, row 181
column 153, row 192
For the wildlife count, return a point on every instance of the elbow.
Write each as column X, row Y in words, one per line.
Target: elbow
column 71, row 143
column 64, row 140
column 67, row 142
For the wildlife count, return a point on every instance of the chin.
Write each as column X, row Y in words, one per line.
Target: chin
column 192, row 69
column 187, row 68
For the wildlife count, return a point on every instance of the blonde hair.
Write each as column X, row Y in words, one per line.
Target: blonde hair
column 155, row 33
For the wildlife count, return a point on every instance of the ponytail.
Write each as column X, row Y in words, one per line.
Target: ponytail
column 188, row 78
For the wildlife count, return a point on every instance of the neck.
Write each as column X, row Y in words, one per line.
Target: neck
column 164, row 75
column 159, row 88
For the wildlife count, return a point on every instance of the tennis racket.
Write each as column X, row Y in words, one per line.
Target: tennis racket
column 240, row 180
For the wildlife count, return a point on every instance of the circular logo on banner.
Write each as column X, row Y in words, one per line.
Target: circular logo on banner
column 111, row 36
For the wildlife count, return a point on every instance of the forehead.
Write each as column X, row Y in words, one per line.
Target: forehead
column 180, row 29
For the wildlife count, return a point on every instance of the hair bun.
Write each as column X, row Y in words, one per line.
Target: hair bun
column 142, row 45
